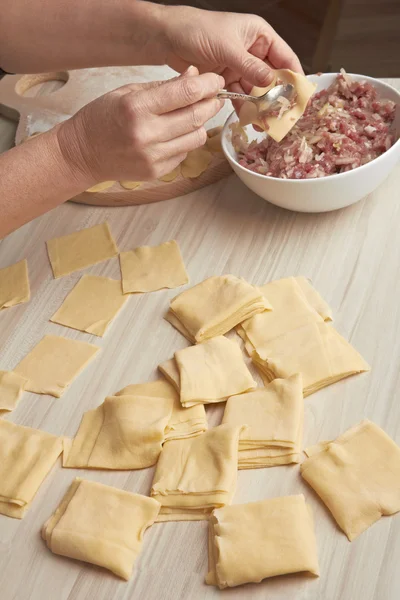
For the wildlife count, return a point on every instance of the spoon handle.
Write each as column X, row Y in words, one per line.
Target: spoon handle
column 235, row 96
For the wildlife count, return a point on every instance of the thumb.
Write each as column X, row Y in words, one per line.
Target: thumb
column 252, row 69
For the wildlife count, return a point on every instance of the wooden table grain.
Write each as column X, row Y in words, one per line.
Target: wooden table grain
column 353, row 259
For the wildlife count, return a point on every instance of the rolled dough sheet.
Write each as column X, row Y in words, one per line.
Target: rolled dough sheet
column 130, row 185
column 151, row 268
column 195, row 163
column 91, row 305
column 171, row 175
column 12, row 387
column 101, row 187
column 79, row 250
column 14, row 285
column 53, row 364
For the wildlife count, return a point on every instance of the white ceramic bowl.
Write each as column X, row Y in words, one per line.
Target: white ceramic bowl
column 325, row 193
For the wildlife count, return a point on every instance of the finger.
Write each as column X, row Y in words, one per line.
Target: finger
column 282, row 56
column 183, row 144
column 185, row 120
column 246, row 65
column 166, row 166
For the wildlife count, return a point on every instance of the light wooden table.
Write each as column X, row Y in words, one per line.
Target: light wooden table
column 353, row 258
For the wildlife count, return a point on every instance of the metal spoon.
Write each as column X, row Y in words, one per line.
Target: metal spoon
column 268, row 101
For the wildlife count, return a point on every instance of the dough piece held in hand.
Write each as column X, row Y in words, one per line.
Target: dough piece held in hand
column 274, row 416
column 53, row 364
column 79, row 250
column 26, row 457
column 14, row 285
column 195, row 163
column 357, row 476
column 151, row 268
column 196, row 475
column 250, row 542
column 214, row 306
column 12, row 386
column 100, row 524
column 91, row 305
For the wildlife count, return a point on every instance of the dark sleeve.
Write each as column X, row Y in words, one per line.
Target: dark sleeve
column 2, row 73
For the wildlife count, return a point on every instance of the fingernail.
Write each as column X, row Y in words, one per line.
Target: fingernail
column 189, row 70
column 221, row 81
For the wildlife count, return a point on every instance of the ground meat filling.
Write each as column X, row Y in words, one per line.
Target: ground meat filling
column 343, row 127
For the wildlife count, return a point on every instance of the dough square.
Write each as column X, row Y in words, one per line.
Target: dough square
column 81, row 249
column 250, row 542
column 147, row 269
column 274, row 418
column 357, row 476
column 314, row 298
column 53, row 364
column 12, row 387
column 212, row 371
column 26, row 457
column 317, row 351
column 91, row 305
column 100, row 524
column 195, row 475
column 214, row 306
column 14, row 285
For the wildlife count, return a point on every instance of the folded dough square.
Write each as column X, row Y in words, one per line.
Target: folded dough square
column 209, row 372
column 250, row 542
column 313, row 298
column 274, row 418
column 125, row 432
column 100, row 524
column 184, row 422
column 12, row 387
column 357, row 476
column 291, row 310
column 26, row 457
column 53, row 364
column 317, row 351
column 14, row 285
column 196, row 475
column 214, row 306
column 147, row 269
column 91, row 305
column 81, row 249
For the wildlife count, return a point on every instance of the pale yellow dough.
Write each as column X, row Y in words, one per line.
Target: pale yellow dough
column 250, row 542
column 53, row 364
column 91, row 305
column 130, row 185
column 278, row 128
column 357, row 476
column 151, row 268
column 100, row 524
column 196, row 475
column 274, row 418
column 101, row 187
column 214, row 306
column 172, row 175
column 213, row 143
column 14, row 285
column 195, row 163
column 184, row 422
column 81, row 249
column 12, row 386
column 313, row 298
column 317, row 351
column 26, row 457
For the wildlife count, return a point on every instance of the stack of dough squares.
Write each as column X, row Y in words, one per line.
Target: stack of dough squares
column 274, row 418
column 196, row 475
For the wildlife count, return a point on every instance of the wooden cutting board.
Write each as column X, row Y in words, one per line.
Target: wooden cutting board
column 38, row 113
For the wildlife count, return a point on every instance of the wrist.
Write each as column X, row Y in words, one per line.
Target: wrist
column 66, row 146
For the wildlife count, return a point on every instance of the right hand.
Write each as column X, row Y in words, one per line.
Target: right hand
column 141, row 131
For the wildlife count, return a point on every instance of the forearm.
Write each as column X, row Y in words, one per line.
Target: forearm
column 34, row 178
column 48, row 35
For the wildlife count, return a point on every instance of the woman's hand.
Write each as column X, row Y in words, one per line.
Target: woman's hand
column 239, row 47
column 141, row 131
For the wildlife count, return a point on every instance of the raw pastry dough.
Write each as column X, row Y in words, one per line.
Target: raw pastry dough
column 92, row 304
column 249, row 542
column 79, row 250
column 357, row 476
column 101, row 187
column 278, row 128
column 125, row 432
column 14, row 285
column 184, row 422
column 172, row 175
column 130, row 185
column 101, row 525
column 313, row 298
column 12, row 386
column 26, row 457
column 195, row 163
column 317, row 351
column 53, row 364
column 214, row 306
column 147, row 269
column 170, row 370
column 196, row 475
column 274, row 416
column 213, row 143
column 212, row 371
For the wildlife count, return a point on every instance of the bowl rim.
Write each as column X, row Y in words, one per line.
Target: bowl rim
column 391, row 150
